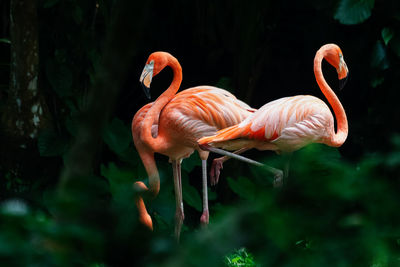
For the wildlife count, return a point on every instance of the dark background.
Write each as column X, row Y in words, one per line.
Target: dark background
column 66, row 194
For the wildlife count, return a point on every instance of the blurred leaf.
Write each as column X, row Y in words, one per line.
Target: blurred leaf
column 115, row 174
column 51, row 144
column 60, row 56
column 60, row 78
column 72, row 125
column 95, row 59
column 352, row 220
column 5, row 40
column 352, row 12
column 395, row 45
column 395, row 139
column 212, row 195
column 131, row 156
column 119, row 179
column 379, row 58
column 377, row 80
column 14, row 207
column 393, row 159
column 191, row 196
column 243, row 187
column 194, row 160
column 225, row 83
column 50, row 3
column 78, row 14
column 117, row 136
column 387, row 35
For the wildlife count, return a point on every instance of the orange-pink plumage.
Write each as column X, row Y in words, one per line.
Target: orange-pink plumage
column 173, row 123
column 289, row 123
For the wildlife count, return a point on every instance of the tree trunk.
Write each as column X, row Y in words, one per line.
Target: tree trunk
column 23, row 114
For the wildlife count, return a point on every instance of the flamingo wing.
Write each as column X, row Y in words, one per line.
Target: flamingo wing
column 202, row 111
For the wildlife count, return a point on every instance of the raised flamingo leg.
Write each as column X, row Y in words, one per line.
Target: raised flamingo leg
column 204, row 219
column 179, row 215
column 217, row 166
column 278, row 174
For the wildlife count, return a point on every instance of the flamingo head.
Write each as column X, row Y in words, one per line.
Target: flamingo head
column 154, row 64
column 334, row 55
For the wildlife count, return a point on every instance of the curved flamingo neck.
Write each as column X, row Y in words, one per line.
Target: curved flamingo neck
column 338, row 138
column 153, row 113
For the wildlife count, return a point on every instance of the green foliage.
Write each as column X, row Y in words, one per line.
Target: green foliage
column 379, row 58
column 354, row 11
column 243, row 187
column 332, row 210
column 5, row 40
column 51, row 144
column 387, row 35
column 60, row 78
column 117, row 136
column 240, row 258
column 50, row 3
column 120, row 180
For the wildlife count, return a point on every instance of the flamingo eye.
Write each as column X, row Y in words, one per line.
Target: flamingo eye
column 150, row 66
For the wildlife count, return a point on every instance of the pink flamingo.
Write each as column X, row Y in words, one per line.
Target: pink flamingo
column 172, row 124
column 289, row 123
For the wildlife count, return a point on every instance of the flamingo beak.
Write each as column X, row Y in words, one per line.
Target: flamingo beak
column 342, row 82
column 146, row 77
column 343, row 73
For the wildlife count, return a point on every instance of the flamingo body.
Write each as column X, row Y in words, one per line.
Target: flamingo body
column 171, row 126
column 283, row 125
column 289, row 123
column 191, row 114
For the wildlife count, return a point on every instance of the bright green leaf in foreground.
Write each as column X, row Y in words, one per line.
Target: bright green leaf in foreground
column 240, row 257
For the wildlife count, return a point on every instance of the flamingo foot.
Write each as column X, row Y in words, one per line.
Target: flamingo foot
column 278, row 179
column 179, row 217
column 204, row 219
column 215, row 171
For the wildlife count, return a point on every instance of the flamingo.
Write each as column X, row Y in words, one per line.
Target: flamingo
column 288, row 124
column 171, row 126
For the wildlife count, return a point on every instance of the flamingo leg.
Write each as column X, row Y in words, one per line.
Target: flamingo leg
column 217, row 166
column 204, row 219
column 278, row 174
column 179, row 215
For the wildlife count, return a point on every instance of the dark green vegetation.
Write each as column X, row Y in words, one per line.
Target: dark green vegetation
column 66, row 194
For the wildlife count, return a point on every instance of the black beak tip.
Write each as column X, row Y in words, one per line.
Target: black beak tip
column 146, row 91
column 342, row 82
